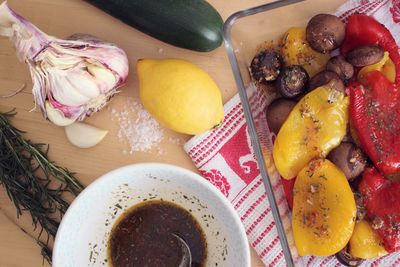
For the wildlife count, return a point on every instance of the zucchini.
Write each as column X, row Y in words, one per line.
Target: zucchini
column 191, row 24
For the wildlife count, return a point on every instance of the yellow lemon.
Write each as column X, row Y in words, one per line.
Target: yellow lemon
column 180, row 95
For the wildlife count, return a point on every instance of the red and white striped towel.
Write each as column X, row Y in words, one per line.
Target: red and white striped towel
column 225, row 157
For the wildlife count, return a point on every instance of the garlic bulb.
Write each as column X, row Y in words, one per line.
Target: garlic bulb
column 71, row 78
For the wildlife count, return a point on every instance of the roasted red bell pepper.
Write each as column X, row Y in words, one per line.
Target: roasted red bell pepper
column 364, row 30
column 381, row 200
column 288, row 189
column 375, row 117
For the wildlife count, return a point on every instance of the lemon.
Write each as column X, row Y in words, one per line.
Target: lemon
column 180, row 95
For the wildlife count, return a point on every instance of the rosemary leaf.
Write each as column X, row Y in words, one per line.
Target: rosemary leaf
column 27, row 174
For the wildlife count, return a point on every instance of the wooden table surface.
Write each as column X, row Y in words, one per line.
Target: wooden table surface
column 62, row 18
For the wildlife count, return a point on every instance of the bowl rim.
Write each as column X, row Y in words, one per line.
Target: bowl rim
column 149, row 166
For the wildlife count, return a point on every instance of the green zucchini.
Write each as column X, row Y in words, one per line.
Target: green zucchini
column 191, row 24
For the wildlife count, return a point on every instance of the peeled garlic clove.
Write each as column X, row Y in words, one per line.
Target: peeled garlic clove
column 83, row 135
column 56, row 116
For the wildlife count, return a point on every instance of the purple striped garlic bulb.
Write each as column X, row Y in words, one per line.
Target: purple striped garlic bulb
column 71, row 78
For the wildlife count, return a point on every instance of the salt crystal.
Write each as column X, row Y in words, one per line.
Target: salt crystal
column 143, row 133
column 175, row 140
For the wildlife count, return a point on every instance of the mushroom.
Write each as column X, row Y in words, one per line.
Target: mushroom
column 292, row 81
column 347, row 137
column 325, row 32
column 365, row 55
column 345, row 258
column 349, row 158
column 328, row 78
column 277, row 112
column 266, row 66
column 341, row 67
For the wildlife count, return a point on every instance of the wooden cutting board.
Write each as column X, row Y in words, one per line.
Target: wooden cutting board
column 62, row 18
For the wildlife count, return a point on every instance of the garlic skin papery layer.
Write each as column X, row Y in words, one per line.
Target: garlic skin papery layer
column 72, row 78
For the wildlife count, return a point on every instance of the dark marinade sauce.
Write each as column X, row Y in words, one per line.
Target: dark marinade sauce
column 142, row 236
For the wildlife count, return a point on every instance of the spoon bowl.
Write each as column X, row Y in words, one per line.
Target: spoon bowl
column 186, row 254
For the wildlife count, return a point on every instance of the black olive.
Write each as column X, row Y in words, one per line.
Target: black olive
column 292, row 81
column 346, row 259
column 266, row 66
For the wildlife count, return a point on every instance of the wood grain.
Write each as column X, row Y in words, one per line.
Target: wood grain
column 62, row 18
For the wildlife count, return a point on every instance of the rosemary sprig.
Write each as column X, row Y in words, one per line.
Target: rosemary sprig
column 27, row 173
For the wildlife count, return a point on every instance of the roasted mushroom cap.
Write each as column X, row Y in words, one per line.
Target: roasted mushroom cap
column 292, row 81
column 346, row 259
column 347, row 137
column 266, row 66
column 325, row 32
column 349, row 158
column 365, row 55
column 341, row 67
column 327, row 78
column 277, row 112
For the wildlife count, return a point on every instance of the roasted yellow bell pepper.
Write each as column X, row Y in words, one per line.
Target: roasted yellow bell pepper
column 385, row 65
column 315, row 126
column 324, row 209
column 389, row 70
column 365, row 243
column 297, row 51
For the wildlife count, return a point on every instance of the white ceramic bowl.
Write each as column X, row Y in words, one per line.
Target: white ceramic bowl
column 84, row 231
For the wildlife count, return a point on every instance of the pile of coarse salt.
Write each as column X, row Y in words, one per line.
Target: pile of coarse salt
column 137, row 127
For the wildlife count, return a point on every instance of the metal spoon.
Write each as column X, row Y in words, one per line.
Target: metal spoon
column 186, row 254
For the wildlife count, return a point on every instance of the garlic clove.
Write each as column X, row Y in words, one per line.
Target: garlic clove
column 104, row 77
column 83, row 135
column 66, row 87
column 56, row 116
